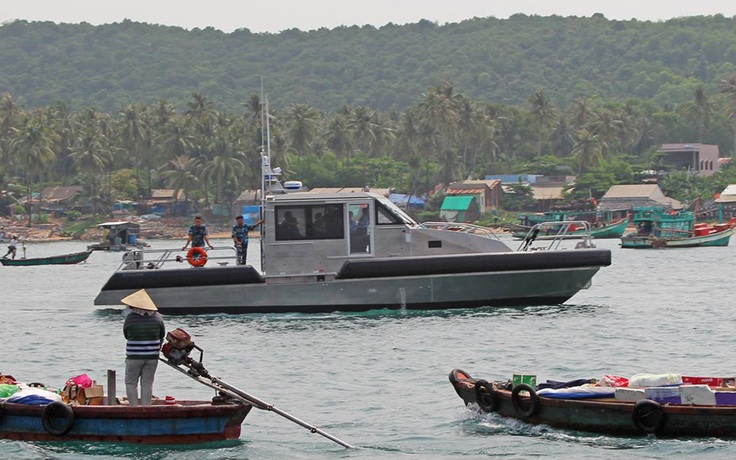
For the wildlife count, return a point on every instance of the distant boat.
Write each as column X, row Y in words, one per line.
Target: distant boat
column 119, row 236
column 608, row 224
column 64, row 259
column 658, row 228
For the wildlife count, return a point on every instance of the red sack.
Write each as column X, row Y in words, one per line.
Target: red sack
column 613, row 381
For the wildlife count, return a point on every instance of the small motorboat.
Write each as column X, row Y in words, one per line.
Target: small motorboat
column 600, row 411
column 64, row 259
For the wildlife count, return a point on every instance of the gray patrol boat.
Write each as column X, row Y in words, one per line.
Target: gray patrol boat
column 324, row 252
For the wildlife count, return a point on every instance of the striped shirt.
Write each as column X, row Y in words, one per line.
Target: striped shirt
column 145, row 335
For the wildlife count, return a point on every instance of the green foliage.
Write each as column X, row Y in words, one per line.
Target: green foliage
column 518, row 198
column 503, row 60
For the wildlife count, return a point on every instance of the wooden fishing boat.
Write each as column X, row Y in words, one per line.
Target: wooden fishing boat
column 658, row 228
column 610, row 225
column 186, row 422
column 600, row 415
column 64, row 259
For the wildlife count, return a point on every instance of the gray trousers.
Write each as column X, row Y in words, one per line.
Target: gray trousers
column 145, row 370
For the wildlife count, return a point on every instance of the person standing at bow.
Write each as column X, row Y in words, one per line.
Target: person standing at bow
column 240, row 238
column 12, row 247
column 197, row 235
column 144, row 331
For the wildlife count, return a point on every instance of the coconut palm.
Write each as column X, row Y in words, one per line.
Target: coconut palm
column 133, row 135
column 11, row 115
column 339, row 137
column 727, row 88
column 180, row 174
column 543, row 113
column 588, row 150
column 92, row 156
column 33, row 149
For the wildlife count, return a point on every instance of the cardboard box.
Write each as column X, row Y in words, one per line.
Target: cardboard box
column 629, row 394
column 529, row 379
column 664, row 395
column 699, row 395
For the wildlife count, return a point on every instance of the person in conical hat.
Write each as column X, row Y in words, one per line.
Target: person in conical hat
column 144, row 330
column 141, row 300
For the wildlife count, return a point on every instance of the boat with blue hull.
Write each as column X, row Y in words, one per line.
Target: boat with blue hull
column 186, row 422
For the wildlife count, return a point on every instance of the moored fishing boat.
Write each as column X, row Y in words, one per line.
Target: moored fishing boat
column 63, row 259
column 611, row 224
column 600, row 411
column 659, row 228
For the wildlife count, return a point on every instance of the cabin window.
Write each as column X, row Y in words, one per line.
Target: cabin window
column 385, row 217
column 310, row 222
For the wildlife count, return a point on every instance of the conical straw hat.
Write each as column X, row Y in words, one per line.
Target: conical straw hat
column 140, row 299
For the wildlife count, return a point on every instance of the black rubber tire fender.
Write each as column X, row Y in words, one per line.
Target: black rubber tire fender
column 57, row 409
column 648, row 416
column 516, row 400
column 487, row 400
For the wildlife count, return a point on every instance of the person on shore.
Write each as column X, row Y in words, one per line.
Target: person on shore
column 240, row 238
column 197, row 235
column 12, row 247
column 144, row 331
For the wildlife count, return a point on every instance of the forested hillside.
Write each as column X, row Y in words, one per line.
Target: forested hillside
column 490, row 60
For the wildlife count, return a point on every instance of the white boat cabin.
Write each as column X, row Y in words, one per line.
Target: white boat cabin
column 308, row 233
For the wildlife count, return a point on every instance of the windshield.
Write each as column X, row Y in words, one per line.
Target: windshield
column 396, row 211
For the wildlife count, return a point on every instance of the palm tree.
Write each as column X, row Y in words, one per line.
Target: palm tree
column 439, row 113
column 11, row 115
column 33, row 148
column 339, row 137
column 179, row 174
column 543, row 113
column 588, row 150
column 91, row 157
column 133, row 134
column 302, row 122
column 728, row 89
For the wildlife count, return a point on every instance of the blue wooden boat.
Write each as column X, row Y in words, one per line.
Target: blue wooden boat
column 599, row 415
column 64, row 259
column 603, row 225
column 186, row 422
column 657, row 227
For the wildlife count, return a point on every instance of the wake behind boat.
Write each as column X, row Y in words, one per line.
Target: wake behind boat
column 327, row 252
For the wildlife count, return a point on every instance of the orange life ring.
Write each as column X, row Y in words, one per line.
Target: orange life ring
column 197, row 257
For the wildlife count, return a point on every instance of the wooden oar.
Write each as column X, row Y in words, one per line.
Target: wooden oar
column 236, row 393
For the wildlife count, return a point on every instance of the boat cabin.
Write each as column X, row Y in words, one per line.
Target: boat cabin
column 317, row 232
column 118, row 236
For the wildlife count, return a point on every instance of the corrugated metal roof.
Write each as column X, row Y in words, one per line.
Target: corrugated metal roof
column 633, row 191
column 465, row 191
column 547, row 193
column 728, row 195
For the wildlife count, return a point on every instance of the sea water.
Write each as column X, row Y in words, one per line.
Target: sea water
column 378, row 379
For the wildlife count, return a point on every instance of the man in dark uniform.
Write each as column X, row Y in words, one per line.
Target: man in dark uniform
column 240, row 238
column 197, row 235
